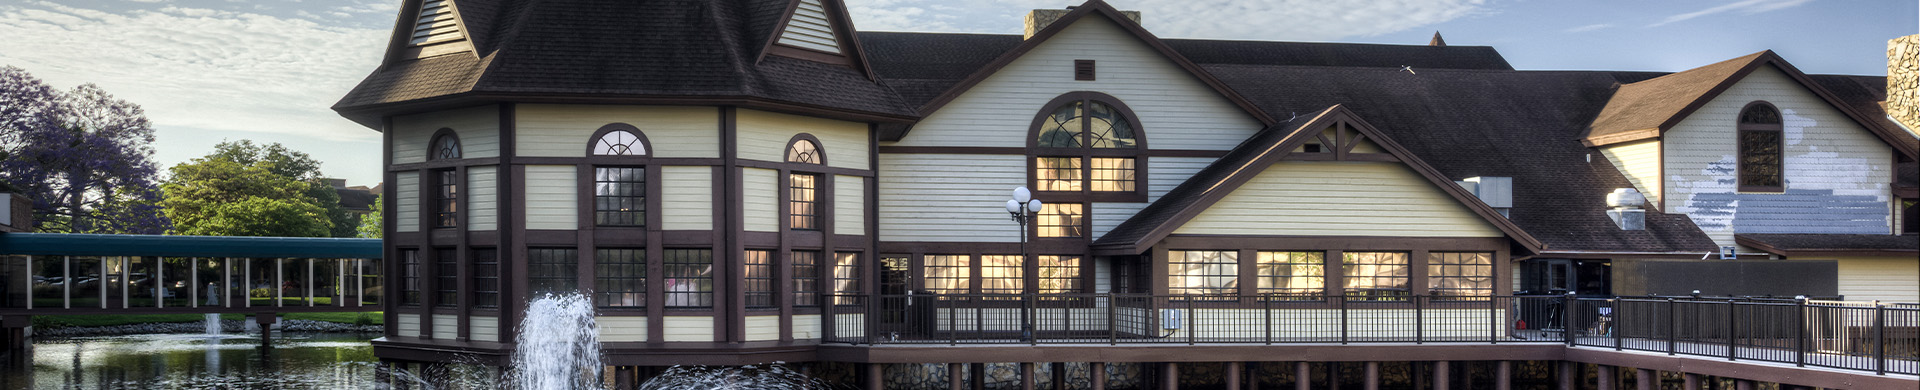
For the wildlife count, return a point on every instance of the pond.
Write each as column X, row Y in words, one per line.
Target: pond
column 197, row 361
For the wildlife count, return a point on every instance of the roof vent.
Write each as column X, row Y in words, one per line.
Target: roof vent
column 436, row 23
column 1623, row 207
column 810, row 29
column 1494, row 191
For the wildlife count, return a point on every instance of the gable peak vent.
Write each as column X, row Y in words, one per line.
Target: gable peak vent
column 809, row 28
column 435, row 24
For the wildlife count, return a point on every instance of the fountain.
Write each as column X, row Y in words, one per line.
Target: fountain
column 559, row 345
column 213, row 325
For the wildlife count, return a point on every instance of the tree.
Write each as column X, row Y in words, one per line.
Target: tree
column 82, row 156
column 370, row 225
column 247, row 189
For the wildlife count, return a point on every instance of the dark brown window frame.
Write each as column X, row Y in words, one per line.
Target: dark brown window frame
column 643, row 162
column 434, row 149
column 798, row 168
column 1740, row 151
column 1086, row 152
column 485, row 277
column 446, row 184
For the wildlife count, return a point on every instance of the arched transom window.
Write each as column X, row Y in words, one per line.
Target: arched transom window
column 619, row 143
column 446, row 146
column 1087, row 143
column 619, row 160
column 1761, row 168
column 803, row 188
column 804, row 152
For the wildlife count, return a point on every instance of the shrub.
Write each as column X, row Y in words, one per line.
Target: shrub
column 261, row 293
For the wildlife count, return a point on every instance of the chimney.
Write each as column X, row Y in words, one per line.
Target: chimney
column 1437, row 40
column 1040, row 18
column 337, row 183
column 1903, row 81
column 1494, row 191
column 1623, row 207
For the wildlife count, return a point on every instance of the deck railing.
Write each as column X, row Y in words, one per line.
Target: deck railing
column 1850, row 335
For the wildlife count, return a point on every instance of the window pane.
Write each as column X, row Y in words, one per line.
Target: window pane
column 1060, row 220
column 446, row 148
column 1296, row 275
column 1456, row 274
column 620, row 277
column 806, row 277
column 1112, row 174
column 619, row 196
column 619, row 143
column 1203, row 272
column 1002, row 274
column 759, row 279
column 1059, row 274
column 552, row 271
column 801, row 202
column 1110, row 129
column 1376, row 276
column 1057, row 173
column 949, row 274
column 1760, row 158
column 689, row 278
column 446, row 277
column 1062, row 128
column 447, row 196
column 409, row 276
column 804, row 151
column 846, row 276
column 486, row 277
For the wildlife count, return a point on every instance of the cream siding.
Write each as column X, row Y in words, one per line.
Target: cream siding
column 409, row 325
column 446, row 326
column 483, row 328
column 477, row 127
column 1176, row 110
column 1166, row 173
column 764, row 135
column 761, row 192
column 849, row 205
column 690, row 191
column 688, row 329
column 548, row 130
column 622, row 329
column 1339, row 198
column 1886, row 279
column 483, row 199
column 1837, row 173
column 406, row 208
column 553, row 197
column 1640, row 163
column 948, row 197
column 763, row 328
column 807, row 326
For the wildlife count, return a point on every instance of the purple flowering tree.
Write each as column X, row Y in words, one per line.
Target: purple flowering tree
column 84, row 157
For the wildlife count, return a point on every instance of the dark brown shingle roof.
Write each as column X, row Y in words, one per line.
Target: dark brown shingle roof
column 1831, row 244
column 1650, row 107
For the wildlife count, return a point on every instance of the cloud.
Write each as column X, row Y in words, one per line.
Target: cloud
column 200, row 68
column 1590, row 27
column 1296, row 20
column 1745, row 7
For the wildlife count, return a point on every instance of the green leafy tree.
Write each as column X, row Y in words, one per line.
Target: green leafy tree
column 370, row 225
column 247, row 189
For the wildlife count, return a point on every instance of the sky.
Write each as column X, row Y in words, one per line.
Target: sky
column 267, row 70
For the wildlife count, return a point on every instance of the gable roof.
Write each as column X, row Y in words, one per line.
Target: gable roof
column 1831, row 244
column 850, row 51
column 1092, row 7
column 1647, row 109
column 1250, row 158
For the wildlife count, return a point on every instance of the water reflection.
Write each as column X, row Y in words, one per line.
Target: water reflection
column 193, row 361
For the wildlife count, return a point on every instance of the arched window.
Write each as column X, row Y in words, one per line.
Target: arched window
column 619, row 143
column 803, row 188
column 445, row 146
column 1761, row 162
column 618, row 151
column 804, row 151
column 1084, row 147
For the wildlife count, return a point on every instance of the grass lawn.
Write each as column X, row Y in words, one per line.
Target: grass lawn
column 123, row 319
column 374, row 317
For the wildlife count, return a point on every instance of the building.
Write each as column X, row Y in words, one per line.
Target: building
column 714, row 170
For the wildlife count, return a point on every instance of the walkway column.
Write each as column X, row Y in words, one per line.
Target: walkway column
column 1302, row 376
column 266, row 321
column 956, row 376
column 1605, row 375
column 383, row 375
column 18, row 335
column 1097, row 375
column 1645, row 379
column 978, row 371
column 1568, row 370
column 623, row 378
column 1026, row 376
column 1443, row 375
column 1169, row 376
column 1372, row 382
column 876, row 376
column 1503, row 376
column 1743, row 384
column 1059, row 375
column 1233, row 374
column 1693, row 381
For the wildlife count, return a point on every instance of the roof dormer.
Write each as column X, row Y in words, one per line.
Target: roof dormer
column 429, row 28
column 435, row 24
column 819, row 31
column 808, row 27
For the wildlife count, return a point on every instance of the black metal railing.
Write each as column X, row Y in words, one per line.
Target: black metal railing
column 1884, row 338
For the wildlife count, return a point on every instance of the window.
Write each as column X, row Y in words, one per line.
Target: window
column 446, row 277
column 552, row 271
column 759, row 279
column 619, row 143
column 1292, row 275
column 446, row 199
column 804, row 151
column 619, row 196
column 446, row 146
column 846, row 277
column 1002, row 274
column 620, row 278
column 949, row 274
column 1060, row 220
column 689, row 278
column 1376, row 276
column 806, row 277
column 1203, row 272
column 1458, row 274
column 801, row 203
column 409, row 277
column 1086, row 142
column 1059, row 274
column 486, row 277
column 1760, row 149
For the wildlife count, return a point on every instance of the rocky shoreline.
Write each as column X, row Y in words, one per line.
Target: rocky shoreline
column 226, row 326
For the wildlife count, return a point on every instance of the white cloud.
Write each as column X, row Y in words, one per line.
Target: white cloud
column 1590, row 27
column 1745, row 7
column 1294, row 20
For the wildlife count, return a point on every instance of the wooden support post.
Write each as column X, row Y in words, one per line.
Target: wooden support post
column 1333, row 375
column 1568, row 371
column 383, row 375
column 1743, row 384
column 876, row 376
column 1605, row 375
column 1372, row 381
column 1503, row 375
column 978, row 372
column 1233, row 374
column 1170, row 376
column 1059, row 371
column 956, row 376
column 1027, row 376
column 266, row 321
column 623, row 378
column 1645, row 379
column 1693, row 381
column 1442, row 375
column 1302, row 376
column 1097, row 375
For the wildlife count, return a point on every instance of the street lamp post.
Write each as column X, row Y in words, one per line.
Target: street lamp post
column 1022, row 208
